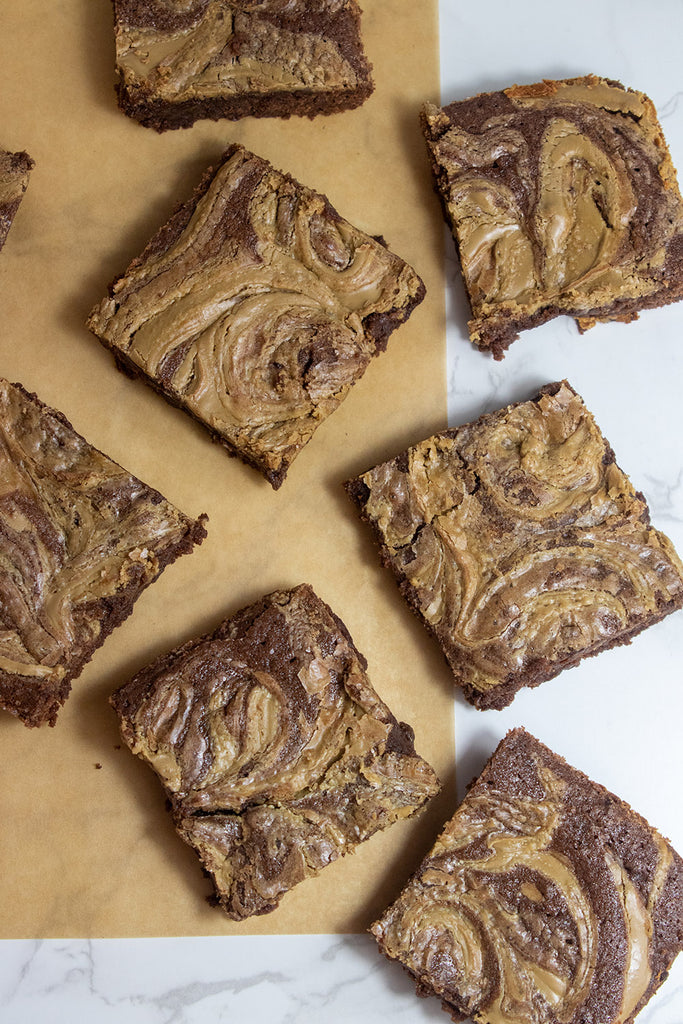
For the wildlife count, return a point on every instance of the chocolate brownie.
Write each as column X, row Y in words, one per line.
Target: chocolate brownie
column 179, row 62
column 545, row 899
column 562, row 199
column 520, row 544
column 276, row 753
column 255, row 309
column 15, row 170
column 80, row 539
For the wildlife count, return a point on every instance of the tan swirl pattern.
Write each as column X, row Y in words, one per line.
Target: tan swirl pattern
column 196, row 58
column 277, row 754
column 254, row 317
column 503, row 920
column 75, row 530
column 522, row 542
column 562, row 199
column 223, row 735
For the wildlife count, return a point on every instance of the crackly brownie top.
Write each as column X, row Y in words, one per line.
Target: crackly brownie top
column 545, row 899
column 15, row 169
column 276, row 752
column 177, row 50
column 75, row 530
column 258, row 309
column 521, row 540
column 559, row 193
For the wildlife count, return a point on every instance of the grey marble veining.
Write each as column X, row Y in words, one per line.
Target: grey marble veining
column 256, row 980
column 282, row 980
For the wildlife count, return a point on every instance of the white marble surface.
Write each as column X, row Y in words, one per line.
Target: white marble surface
column 616, row 717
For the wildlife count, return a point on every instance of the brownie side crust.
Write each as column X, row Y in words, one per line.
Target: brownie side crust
column 220, row 59
column 520, row 544
column 255, row 309
column 562, row 199
column 15, row 170
column 276, row 754
column 546, row 898
column 80, row 539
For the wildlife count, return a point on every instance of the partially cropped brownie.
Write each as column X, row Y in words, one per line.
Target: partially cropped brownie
column 520, row 544
column 545, row 899
column 276, row 753
column 255, row 309
column 15, row 170
column 80, row 539
column 179, row 62
column 562, row 199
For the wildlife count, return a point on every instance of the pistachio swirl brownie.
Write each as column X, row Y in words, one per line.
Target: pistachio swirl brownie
column 275, row 752
column 80, row 539
column 544, row 899
column 181, row 60
column 15, row 170
column 562, row 199
column 520, row 544
column 255, row 309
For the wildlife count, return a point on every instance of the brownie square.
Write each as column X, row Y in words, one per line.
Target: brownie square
column 15, row 170
column 520, row 544
column 177, row 63
column 276, row 753
column 80, row 539
column 544, row 899
column 255, row 309
column 562, row 199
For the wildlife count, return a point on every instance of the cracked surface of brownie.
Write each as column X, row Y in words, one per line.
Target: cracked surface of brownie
column 520, row 543
column 545, row 899
column 80, row 539
column 255, row 309
column 276, row 753
column 562, row 199
column 180, row 61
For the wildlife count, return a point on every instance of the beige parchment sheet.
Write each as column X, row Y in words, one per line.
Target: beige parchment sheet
column 87, row 848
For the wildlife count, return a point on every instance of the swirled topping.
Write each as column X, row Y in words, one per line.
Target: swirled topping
column 80, row 538
column 208, row 51
column 521, row 543
column 257, row 312
column 15, row 170
column 562, row 199
column 276, row 753
column 542, row 901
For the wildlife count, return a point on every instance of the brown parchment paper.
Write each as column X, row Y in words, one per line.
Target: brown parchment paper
column 87, row 847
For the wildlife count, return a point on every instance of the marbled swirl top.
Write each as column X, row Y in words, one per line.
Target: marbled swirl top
column 80, row 538
column 562, row 199
column 275, row 751
column 520, row 543
column 545, row 900
column 179, row 60
column 256, row 308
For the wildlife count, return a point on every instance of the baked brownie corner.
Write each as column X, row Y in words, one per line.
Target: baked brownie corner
column 545, row 898
column 15, row 170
